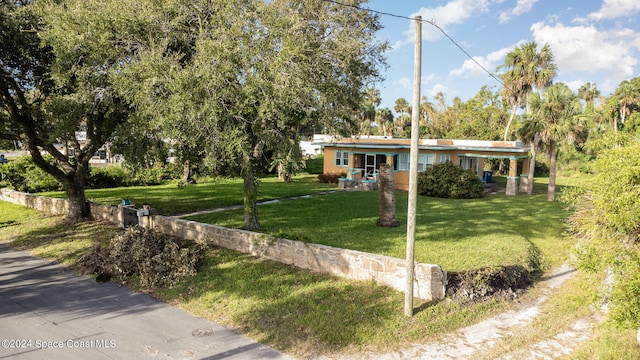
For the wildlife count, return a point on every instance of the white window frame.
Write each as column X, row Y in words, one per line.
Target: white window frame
column 424, row 161
column 341, row 158
column 403, row 162
column 442, row 158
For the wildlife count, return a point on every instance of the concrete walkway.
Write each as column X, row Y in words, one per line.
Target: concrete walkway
column 49, row 312
column 236, row 207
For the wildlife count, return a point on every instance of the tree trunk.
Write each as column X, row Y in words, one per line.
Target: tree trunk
column 553, row 154
column 250, row 199
column 186, row 173
column 513, row 114
column 78, row 207
column 502, row 168
column 283, row 174
column 387, row 198
column 532, row 168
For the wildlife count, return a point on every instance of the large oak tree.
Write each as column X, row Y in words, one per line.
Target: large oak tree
column 230, row 82
column 56, row 62
column 248, row 75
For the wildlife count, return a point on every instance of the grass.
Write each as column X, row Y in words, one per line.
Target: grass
column 293, row 310
column 306, row 314
column 170, row 199
column 49, row 236
column 493, row 231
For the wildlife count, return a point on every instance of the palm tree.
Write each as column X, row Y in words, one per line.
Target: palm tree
column 384, row 118
column 426, row 111
column 514, row 92
column 530, row 132
column 588, row 92
column 627, row 95
column 371, row 101
column 403, row 108
column 529, row 70
column 557, row 109
column 368, row 118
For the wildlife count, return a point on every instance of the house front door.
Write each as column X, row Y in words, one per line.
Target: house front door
column 370, row 165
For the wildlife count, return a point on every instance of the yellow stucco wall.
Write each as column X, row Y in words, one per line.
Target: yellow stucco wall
column 401, row 178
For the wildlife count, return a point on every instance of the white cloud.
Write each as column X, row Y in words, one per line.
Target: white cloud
column 437, row 88
column 612, row 9
column 405, row 83
column 574, row 85
column 453, row 12
column 585, row 48
column 471, row 69
column 522, row 7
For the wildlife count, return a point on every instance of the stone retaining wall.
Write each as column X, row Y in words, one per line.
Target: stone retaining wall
column 430, row 280
column 56, row 206
column 41, row 203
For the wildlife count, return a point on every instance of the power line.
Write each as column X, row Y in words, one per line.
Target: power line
column 432, row 23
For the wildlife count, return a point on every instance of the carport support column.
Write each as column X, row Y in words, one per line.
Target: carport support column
column 512, row 179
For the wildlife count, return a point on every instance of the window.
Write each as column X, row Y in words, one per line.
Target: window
column 342, row 158
column 424, row 160
column 467, row 163
column 403, row 162
column 443, row 158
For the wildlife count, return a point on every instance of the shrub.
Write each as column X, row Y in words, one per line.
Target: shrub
column 107, row 177
column 542, row 168
column 330, row 178
column 155, row 259
column 625, row 294
column 315, row 165
column 449, row 181
column 24, row 175
column 605, row 225
column 149, row 176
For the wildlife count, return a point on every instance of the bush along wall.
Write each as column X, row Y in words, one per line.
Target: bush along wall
column 314, row 165
column 24, row 175
column 447, row 180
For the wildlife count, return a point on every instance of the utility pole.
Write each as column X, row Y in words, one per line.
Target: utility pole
column 413, row 169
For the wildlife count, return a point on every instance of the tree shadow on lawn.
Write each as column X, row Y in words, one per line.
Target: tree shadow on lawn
column 291, row 309
column 7, row 223
column 446, row 228
column 170, row 199
column 348, row 220
column 63, row 240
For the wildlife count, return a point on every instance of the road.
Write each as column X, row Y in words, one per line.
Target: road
column 50, row 312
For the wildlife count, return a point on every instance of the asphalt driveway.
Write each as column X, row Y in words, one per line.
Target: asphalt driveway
column 49, row 312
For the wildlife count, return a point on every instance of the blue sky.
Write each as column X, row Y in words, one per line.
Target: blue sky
column 594, row 41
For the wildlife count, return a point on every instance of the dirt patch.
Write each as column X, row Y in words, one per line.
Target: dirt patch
column 477, row 285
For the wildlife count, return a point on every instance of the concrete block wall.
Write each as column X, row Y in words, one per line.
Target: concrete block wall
column 429, row 283
column 430, row 280
column 41, row 203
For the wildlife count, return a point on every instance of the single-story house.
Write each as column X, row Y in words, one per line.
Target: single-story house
column 359, row 158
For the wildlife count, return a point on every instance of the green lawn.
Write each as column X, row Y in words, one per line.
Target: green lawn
column 290, row 309
column 306, row 314
column 456, row 234
column 170, row 199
